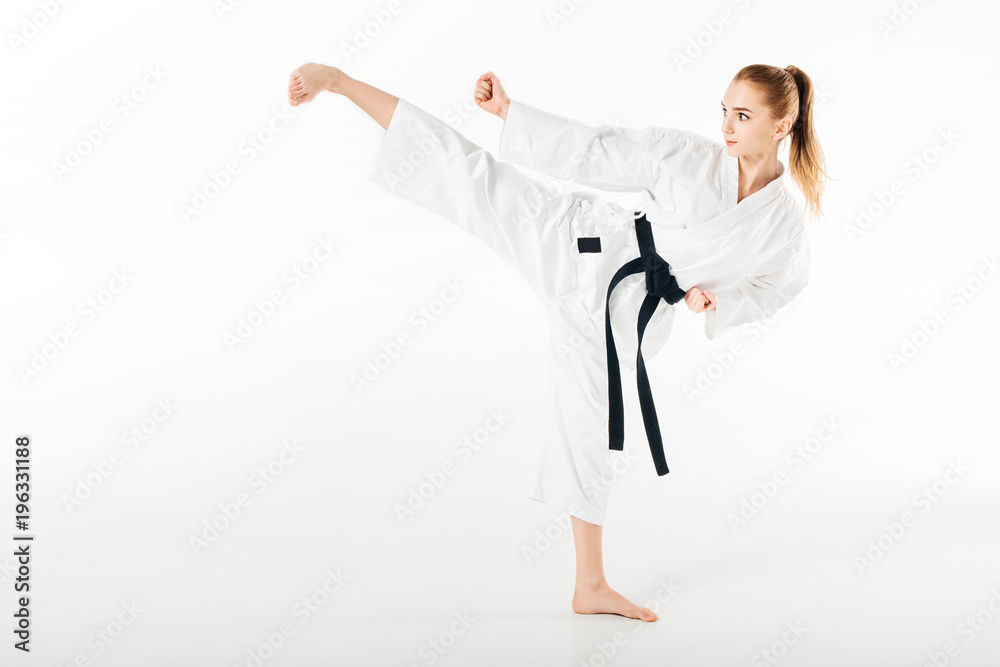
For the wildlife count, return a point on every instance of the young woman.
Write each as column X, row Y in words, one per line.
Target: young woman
column 722, row 233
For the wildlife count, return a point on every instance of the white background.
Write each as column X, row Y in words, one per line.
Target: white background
column 124, row 537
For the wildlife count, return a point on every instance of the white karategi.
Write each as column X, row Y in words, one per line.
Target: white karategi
column 753, row 255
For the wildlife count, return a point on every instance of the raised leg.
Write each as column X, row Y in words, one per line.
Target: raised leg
column 311, row 79
column 427, row 161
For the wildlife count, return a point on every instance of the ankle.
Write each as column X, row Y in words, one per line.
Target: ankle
column 591, row 584
column 335, row 80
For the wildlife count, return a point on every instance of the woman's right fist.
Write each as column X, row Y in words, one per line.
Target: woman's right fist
column 699, row 300
column 490, row 95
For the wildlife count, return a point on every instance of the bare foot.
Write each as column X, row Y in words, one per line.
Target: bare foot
column 602, row 599
column 311, row 79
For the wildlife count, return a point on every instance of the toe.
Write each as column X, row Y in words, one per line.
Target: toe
column 647, row 614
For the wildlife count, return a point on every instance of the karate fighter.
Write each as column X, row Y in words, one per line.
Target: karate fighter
column 715, row 227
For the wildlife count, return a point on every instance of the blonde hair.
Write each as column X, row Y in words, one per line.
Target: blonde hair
column 788, row 91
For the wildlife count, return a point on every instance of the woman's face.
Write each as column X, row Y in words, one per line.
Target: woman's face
column 748, row 123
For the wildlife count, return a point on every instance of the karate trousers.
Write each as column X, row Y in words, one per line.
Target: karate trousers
column 534, row 230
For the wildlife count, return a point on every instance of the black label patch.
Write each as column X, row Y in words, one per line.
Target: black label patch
column 589, row 243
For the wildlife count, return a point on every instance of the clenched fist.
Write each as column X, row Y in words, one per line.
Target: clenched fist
column 490, row 95
column 698, row 300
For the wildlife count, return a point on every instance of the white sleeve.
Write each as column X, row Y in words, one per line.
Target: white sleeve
column 606, row 157
column 759, row 296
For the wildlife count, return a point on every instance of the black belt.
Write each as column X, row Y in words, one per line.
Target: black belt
column 660, row 284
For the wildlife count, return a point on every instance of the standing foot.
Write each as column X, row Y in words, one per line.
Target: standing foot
column 602, row 599
column 311, row 79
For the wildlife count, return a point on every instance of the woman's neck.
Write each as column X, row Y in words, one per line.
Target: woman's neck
column 755, row 174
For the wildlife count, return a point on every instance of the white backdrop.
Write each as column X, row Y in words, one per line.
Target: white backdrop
column 195, row 275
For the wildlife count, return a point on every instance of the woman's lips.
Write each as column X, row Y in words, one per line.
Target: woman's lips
column 730, row 143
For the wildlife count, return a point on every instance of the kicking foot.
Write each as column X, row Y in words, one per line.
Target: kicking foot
column 311, row 79
column 602, row 599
